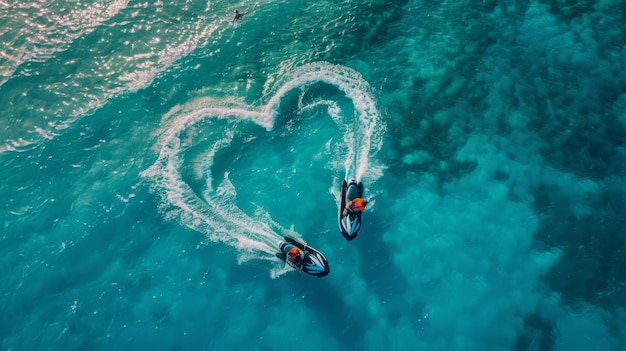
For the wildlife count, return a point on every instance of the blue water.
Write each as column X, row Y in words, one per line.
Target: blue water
column 153, row 154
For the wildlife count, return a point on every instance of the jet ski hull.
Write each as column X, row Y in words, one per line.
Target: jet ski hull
column 314, row 262
column 350, row 224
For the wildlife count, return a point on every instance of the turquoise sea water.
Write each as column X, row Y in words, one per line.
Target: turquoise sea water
column 153, row 153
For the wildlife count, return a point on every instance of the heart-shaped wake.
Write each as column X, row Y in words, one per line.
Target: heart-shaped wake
column 195, row 134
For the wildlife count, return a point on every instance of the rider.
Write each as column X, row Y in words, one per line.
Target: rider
column 239, row 15
column 294, row 256
column 355, row 205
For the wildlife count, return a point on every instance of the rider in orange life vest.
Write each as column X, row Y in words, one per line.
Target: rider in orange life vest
column 294, row 255
column 355, row 205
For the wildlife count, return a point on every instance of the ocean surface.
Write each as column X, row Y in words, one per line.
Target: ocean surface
column 154, row 153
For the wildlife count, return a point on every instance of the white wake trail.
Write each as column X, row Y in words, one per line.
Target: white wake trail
column 214, row 212
column 363, row 132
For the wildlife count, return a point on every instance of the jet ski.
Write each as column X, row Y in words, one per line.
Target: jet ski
column 312, row 263
column 350, row 224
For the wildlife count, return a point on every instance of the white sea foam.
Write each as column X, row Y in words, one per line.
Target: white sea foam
column 214, row 212
column 363, row 133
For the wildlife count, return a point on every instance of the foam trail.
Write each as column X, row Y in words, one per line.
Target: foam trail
column 364, row 135
column 215, row 212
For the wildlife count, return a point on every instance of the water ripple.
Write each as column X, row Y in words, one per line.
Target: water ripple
column 60, row 63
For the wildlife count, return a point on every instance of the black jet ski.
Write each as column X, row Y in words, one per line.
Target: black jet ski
column 312, row 262
column 350, row 224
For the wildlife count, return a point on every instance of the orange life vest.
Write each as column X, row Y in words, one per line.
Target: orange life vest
column 357, row 204
column 293, row 253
